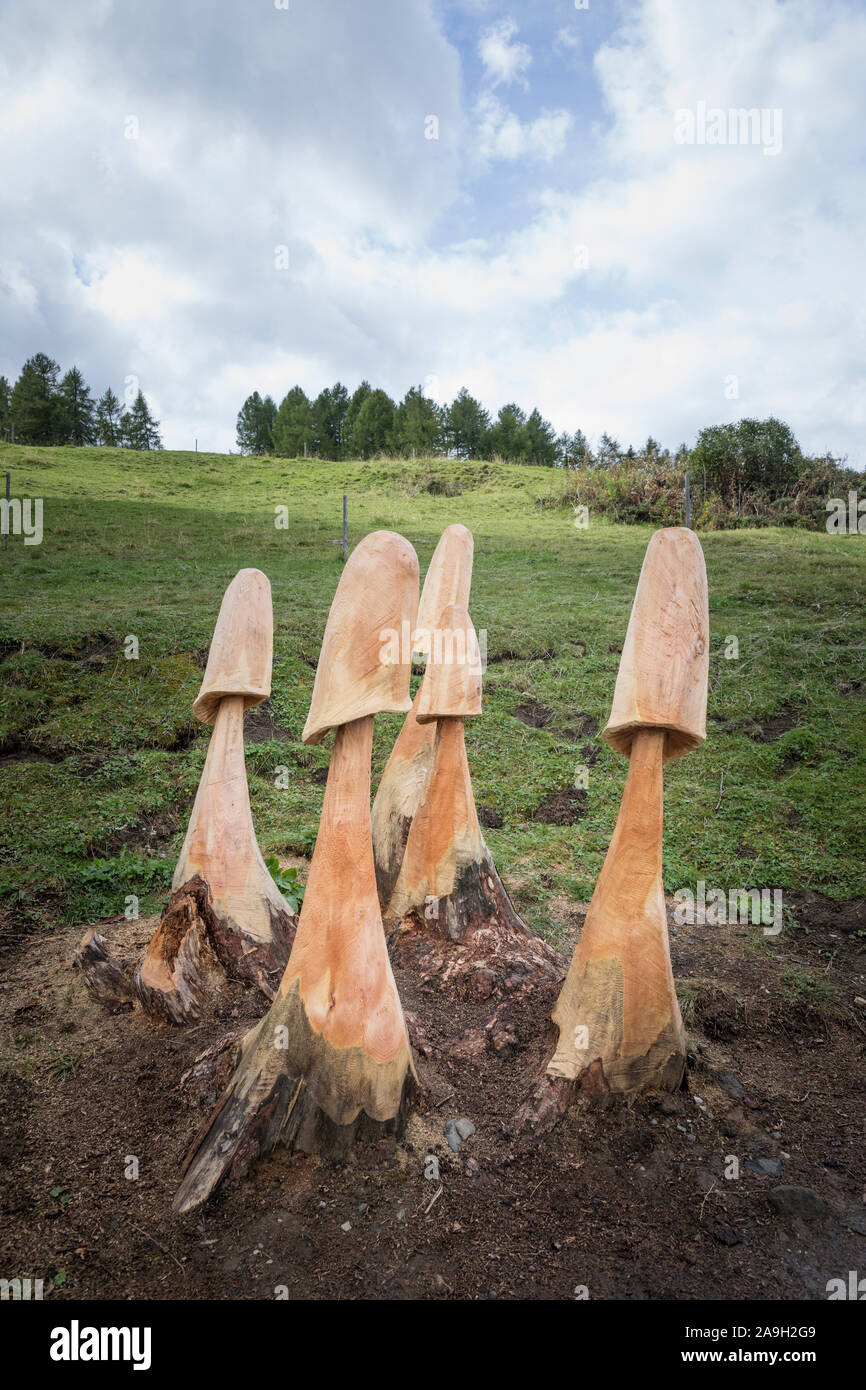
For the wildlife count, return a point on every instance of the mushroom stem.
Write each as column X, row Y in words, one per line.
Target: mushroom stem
column 330, row 1062
column 618, row 1017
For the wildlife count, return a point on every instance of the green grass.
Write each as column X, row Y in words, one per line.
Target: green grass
column 100, row 751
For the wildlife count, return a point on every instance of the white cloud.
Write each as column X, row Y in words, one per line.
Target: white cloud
column 504, row 60
column 306, row 128
column 502, row 135
column 567, row 41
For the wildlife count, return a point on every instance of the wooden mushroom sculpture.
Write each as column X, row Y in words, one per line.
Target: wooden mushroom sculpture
column 331, row 1059
column 226, row 916
column 618, row 1020
column 450, row 914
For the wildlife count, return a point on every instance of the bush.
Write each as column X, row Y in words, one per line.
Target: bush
column 652, row 491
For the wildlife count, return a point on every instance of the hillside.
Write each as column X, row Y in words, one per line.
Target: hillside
column 145, row 544
column 99, row 762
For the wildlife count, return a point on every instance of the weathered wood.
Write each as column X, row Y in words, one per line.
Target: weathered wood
column 108, row 982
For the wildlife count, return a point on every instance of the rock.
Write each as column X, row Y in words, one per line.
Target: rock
column 731, row 1085
column 452, row 1135
column 766, row 1167
column 465, row 1128
column 856, row 1221
column 797, row 1201
column 346, row 1226
column 471, row 1169
column 726, row 1235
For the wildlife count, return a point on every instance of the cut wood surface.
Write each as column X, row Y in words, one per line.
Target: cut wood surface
column 451, row 687
column 662, row 680
column 448, row 582
column 226, row 916
column 617, row 1018
column 331, row 1061
column 241, row 652
column 366, row 655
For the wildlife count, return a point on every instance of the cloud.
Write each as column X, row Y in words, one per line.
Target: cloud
column 502, row 135
column 567, row 41
column 410, row 257
column 504, row 61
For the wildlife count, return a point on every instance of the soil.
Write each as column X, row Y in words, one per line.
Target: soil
column 260, row 725
column 768, row 730
column 564, row 807
column 534, row 714
column 629, row 1201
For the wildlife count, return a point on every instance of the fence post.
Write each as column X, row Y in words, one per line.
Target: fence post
column 345, row 525
column 688, row 503
column 6, row 528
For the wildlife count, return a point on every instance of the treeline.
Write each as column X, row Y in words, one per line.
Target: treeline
column 44, row 408
column 367, row 422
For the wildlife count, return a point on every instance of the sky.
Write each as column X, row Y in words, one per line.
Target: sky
column 549, row 202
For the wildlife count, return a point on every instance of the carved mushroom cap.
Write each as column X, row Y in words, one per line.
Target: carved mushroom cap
column 451, row 687
column 366, row 655
column 447, row 582
column 662, row 680
column 241, row 652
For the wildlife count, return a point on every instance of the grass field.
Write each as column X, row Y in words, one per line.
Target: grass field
column 100, row 755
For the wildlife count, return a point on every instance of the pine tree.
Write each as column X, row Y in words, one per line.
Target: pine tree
column 5, row 406
column 293, row 426
column 255, row 422
column 608, row 452
column 139, row 430
column 540, row 441
column 466, row 426
column 417, row 424
column 330, row 409
column 374, row 425
column 354, row 409
column 508, row 437
column 574, row 450
column 75, row 409
column 108, row 430
column 33, row 405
